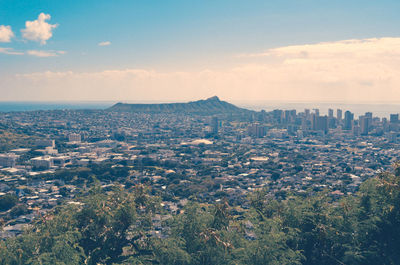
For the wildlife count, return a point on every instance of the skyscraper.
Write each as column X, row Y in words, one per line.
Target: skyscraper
column 330, row 113
column 307, row 114
column 348, row 120
column 394, row 118
column 287, row 116
column 278, row 115
column 214, row 125
column 365, row 124
column 322, row 123
column 319, row 123
column 339, row 114
column 256, row 130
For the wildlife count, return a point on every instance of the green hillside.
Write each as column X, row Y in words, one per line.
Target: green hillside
column 211, row 105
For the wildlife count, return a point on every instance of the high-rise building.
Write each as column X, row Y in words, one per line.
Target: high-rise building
column 256, row 130
column 287, row 116
column 214, row 125
column 339, row 114
column 394, row 118
column 74, row 137
column 293, row 115
column 305, row 123
column 313, row 121
column 330, row 113
column 365, row 124
column 278, row 115
column 348, row 120
column 307, row 112
column 291, row 129
column 321, row 123
column 331, row 119
column 356, row 130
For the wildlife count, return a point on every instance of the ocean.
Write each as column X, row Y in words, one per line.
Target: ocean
column 33, row 105
column 378, row 109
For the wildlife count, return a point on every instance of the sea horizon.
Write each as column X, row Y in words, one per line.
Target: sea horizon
column 358, row 108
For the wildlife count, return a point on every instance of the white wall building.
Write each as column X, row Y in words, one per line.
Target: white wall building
column 8, row 160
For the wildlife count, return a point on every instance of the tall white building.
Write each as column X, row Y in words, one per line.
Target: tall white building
column 74, row 137
column 42, row 162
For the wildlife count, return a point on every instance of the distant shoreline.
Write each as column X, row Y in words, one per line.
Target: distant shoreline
column 36, row 106
column 378, row 109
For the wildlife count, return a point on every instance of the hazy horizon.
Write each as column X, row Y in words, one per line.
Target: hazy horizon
column 234, row 101
column 378, row 109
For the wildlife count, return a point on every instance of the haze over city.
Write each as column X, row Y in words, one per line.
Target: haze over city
column 309, row 51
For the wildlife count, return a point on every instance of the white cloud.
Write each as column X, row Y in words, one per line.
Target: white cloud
column 40, row 53
column 39, row 30
column 37, row 53
column 6, row 33
column 10, row 51
column 104, row 43
column 356, row 48
column 354, row 70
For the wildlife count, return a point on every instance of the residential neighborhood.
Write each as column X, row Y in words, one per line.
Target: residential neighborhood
column 180, row 155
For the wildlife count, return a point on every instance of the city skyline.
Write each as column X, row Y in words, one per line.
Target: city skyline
column 176, row 51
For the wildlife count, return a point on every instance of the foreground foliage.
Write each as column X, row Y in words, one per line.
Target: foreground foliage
column 118, row 227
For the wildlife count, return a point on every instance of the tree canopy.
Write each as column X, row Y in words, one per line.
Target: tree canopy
column 130, row 227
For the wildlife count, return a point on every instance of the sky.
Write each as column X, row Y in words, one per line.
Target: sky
column 178, row 50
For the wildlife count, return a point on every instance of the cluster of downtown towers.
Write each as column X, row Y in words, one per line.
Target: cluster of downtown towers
column 312, row 120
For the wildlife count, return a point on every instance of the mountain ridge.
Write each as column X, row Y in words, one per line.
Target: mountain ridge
column 212, row 105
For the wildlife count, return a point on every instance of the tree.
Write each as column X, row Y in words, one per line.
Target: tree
column 95, row 230
column 116, row 227
column 8, row 201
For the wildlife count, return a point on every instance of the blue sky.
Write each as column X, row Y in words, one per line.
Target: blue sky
column 185, row 35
